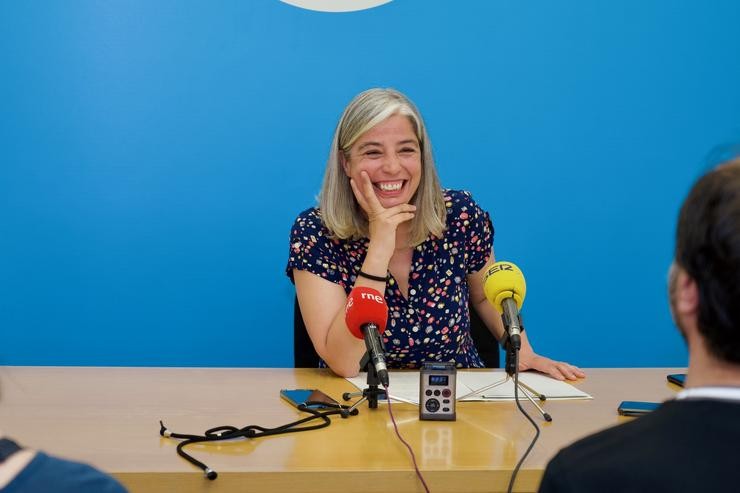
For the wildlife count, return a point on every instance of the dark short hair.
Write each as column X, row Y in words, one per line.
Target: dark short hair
column 708, row 249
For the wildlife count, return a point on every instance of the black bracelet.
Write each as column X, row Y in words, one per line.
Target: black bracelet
column 372, row 277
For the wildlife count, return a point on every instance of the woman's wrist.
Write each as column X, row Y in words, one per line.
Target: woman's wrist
column 373, row 277
column 376, row 262
column 373, row 274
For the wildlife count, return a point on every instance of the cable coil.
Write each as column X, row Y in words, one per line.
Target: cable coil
column 228, row 432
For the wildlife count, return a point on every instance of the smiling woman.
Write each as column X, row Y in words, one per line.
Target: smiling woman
column 383, row 127
column 384, row 222
column 389, row 155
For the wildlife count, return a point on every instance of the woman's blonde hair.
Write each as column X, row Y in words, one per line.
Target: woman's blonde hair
column 340, row 211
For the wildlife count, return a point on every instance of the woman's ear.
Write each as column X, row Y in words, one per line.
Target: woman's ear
column 343, row 161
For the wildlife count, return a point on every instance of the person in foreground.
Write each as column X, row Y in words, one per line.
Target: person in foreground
column 384, row 222
column 690, row 443
column 30, row 471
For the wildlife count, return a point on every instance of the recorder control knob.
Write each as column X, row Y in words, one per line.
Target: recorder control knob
column 432, row 405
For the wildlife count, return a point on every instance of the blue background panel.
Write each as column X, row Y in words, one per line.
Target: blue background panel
column 153, row 156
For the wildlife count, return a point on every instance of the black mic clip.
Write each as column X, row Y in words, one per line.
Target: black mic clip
column 510, row 339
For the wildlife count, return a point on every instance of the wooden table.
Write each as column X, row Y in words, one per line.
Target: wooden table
column 109, row 417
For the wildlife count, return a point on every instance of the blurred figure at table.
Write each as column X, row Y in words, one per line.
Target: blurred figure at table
column 689, row 443
column 23, row 470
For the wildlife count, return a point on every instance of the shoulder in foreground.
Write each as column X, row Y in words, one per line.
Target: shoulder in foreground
column 638, row 436
column 70, row 475
column 652, row 453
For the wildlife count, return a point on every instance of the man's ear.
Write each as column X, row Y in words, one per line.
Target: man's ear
column 687, row 294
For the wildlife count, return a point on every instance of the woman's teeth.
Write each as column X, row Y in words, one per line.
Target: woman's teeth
column 390, row 186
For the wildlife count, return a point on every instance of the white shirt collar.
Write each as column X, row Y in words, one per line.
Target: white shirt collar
column 716, row 393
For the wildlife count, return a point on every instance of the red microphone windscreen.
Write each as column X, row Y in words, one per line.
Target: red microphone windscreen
column 365, row 306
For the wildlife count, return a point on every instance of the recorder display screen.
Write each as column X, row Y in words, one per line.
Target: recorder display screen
column 439, row 380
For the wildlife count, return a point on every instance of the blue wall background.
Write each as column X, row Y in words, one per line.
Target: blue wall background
column 154, row 155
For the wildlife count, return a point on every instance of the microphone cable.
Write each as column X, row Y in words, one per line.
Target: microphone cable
column 229, row 432
column 536, row 428
column 398, row 434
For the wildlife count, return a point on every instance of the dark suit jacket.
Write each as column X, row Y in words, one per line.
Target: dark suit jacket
column 687, row 445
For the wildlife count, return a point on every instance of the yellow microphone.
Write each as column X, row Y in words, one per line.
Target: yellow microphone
column 505, row 289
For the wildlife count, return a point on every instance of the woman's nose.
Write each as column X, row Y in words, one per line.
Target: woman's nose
column 391, row 164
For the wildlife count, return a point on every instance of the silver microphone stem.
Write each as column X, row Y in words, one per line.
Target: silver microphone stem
column 376, row 351
column 510, row 318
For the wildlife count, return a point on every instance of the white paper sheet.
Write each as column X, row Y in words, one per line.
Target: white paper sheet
column 478, row 385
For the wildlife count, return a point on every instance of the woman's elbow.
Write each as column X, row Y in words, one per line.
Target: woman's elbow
column 343, row 369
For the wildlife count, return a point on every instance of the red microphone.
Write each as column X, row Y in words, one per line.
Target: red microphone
column 365, row 306
column 366, row 315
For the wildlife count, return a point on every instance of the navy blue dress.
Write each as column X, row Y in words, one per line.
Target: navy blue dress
column 433, row 324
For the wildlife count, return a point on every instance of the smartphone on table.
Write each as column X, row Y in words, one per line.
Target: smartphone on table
column 677, row 378
column 312, row 398
column 636, row 408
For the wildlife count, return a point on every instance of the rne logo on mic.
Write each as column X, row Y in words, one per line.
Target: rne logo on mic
column 374, row 297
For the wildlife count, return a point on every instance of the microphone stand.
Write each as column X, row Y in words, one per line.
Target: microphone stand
column 371, row 393
column 511, row 369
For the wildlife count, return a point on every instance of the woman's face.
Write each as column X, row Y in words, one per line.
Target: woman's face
column 390, row 154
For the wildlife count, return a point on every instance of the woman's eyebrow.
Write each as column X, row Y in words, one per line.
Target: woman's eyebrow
column 408, row 141
column 366, row 144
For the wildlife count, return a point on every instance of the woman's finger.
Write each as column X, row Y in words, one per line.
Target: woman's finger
column 374, row 205
column 571, row 372
column 401, row 218
column 566, row 371
column 577, row 371
column 397, row 209
column 555, row 372
column 359, row 195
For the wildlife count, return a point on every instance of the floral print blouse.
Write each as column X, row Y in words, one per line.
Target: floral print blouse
column 433, row 323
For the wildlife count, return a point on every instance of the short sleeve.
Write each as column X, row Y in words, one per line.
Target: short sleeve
column 312, row 250
column 475, row 223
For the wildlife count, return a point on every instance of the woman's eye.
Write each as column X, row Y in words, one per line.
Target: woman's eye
column 372, row 153
column 408, row 150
